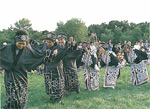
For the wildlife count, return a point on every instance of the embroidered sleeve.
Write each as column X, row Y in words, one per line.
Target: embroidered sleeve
column 48, row 57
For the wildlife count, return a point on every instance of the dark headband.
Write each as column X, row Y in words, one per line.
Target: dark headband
column 21, row 38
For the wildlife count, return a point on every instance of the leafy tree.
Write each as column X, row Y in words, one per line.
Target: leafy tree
column 23, row 24
column 107, row 35
column 127, row 36
column 98, row 29
column 117, row 35
column 7, row 35
column 60, row 27
column 137, row 33
column 36, row 35
column 114, row 30
column 73, row 28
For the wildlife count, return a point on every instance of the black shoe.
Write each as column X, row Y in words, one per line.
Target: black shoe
column 59, row 101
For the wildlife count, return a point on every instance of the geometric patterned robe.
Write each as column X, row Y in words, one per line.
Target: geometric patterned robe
column 16, row 67
column 112, row 71
column 70, row 74
column 54, row 75
column 53, row 70
column 91, row 76
column 138, row 61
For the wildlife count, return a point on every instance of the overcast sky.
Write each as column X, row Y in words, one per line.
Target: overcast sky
column 44, row 14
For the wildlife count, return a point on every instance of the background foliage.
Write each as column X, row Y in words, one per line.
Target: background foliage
column 114, row 30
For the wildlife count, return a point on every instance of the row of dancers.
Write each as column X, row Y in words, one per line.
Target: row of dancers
column 59, row 59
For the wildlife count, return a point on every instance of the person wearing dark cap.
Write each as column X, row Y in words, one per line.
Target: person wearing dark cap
column 69, row 66
column 53, row 70
column 17, row 59
column 62, row 38
column 110, row 60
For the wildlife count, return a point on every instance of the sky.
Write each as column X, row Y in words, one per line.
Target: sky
column 45, row 14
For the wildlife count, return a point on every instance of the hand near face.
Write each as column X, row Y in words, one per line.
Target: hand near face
column 55, row 52
column 63, row 42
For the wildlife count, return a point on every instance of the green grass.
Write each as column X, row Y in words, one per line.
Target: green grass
column 124, row 96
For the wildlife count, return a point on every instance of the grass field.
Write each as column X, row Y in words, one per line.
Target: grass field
column 124, row 96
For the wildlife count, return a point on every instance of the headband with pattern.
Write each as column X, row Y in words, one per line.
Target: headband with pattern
column 21, row 38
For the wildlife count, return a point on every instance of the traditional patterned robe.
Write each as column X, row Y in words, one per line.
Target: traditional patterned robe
column 91, row 76
column 16, row 67
column 70, row 75
column 111, row 73
column 54, row 75
column 53, row 70
column 138, row 60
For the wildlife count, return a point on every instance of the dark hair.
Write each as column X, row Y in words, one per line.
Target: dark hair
column 21, row 32
column 104, row 46
column 91, row 42
column 62, row 33
column 21, row 35
column 51, row 36
column 52, row 33
column 117, row 51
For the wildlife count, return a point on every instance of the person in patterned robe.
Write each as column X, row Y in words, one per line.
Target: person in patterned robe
column 110, row 60
column 69, row 64
column 91, row 72
column 53, row 66
column 17, row 59
column 70, row 68
column 53, row 70
column 138, row 60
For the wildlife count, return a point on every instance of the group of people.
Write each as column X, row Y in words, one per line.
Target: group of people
column 114, row 58
column 60, row 59
column 25, row 54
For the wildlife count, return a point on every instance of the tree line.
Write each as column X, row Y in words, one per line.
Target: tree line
column 117, row 31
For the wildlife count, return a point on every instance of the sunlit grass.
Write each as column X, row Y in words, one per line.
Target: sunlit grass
column 124, row 96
